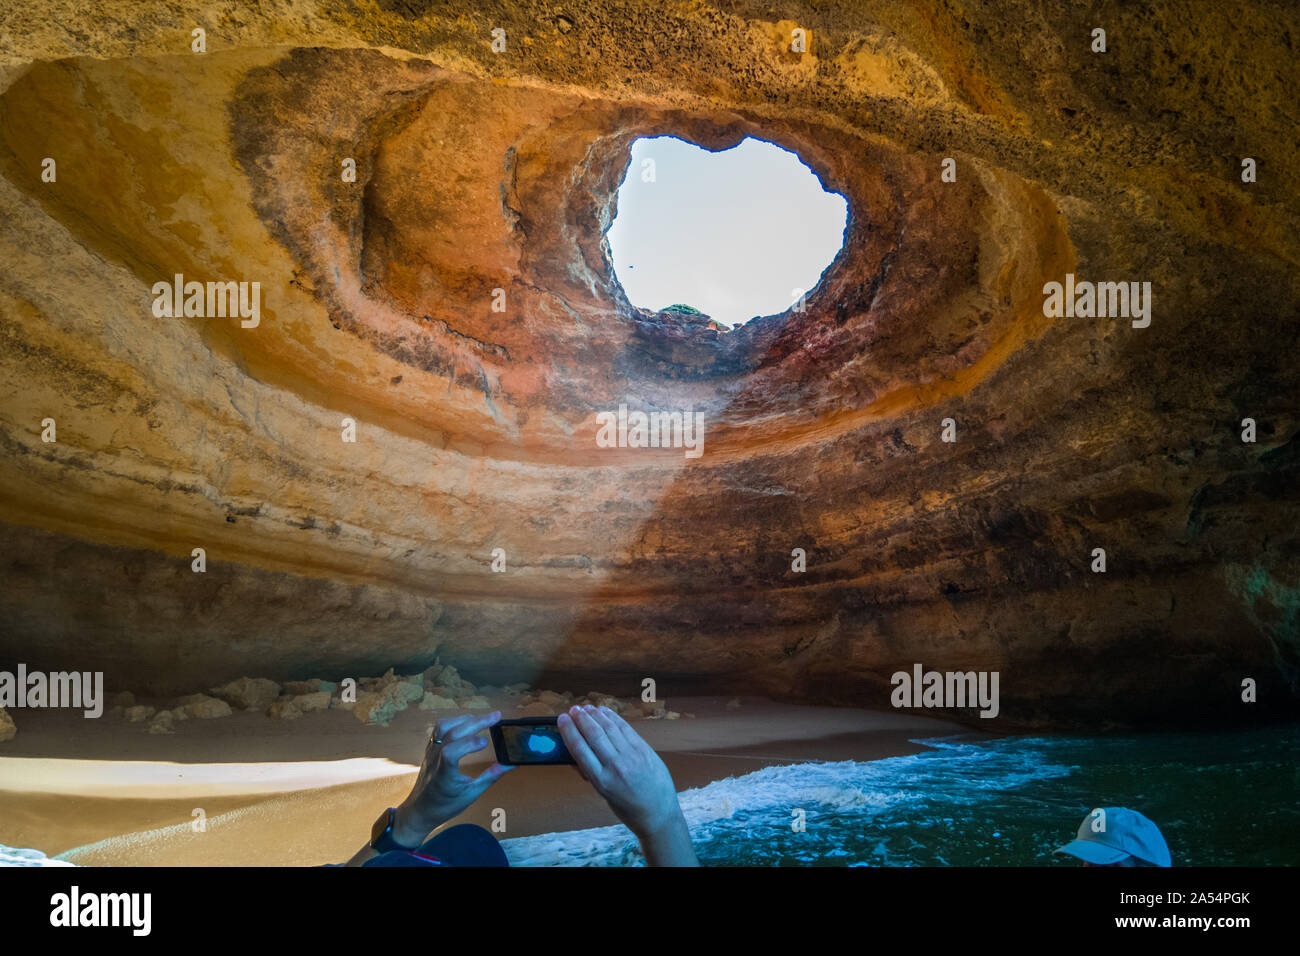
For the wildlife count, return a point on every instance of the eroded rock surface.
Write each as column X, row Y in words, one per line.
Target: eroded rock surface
column 475, row 428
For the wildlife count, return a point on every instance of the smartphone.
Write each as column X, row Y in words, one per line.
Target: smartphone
column 529, row 740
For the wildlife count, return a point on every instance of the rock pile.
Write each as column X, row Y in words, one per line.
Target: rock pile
column 372, row 700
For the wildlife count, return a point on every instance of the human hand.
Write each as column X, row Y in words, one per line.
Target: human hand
column 441, row 791
column 626, row 771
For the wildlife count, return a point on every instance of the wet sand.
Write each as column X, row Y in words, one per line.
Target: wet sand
column 305, row 792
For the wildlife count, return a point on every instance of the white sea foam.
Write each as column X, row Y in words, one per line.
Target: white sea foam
column 10, row 856
column 743, row 809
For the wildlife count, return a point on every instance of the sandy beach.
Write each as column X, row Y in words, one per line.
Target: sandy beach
column 304, row 792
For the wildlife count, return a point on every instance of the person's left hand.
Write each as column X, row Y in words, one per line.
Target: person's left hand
column 441, row 791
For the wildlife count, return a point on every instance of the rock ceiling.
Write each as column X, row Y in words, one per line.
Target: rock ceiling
column 456, row 304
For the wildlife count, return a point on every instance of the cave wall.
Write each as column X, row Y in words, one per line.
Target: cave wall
column 475, row 428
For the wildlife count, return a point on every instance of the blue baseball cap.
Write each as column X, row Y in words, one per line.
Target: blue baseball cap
column 1111, row 835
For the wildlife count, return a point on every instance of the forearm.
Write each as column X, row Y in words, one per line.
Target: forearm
column 669, row 845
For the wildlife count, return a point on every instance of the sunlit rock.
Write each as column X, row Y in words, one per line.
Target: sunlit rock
column 398, row 461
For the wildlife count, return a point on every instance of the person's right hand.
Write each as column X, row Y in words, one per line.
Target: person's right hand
column 633, row 780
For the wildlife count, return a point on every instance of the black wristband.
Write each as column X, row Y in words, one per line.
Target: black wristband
column 381, row 834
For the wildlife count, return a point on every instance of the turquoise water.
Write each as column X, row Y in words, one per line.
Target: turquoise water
column 1221, row 799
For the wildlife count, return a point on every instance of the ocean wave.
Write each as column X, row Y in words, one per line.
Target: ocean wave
column 757, row 808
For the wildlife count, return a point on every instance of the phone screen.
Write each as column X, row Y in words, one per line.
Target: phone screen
column 536, row 740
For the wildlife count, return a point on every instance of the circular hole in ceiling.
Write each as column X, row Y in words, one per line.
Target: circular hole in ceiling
column 734, row 234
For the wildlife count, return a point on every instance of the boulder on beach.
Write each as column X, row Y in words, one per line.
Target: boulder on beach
column 410, row 689
column 162, row 723
column 201, row 706
column 248, row 693
column 208, row 708
column 387, row 695
column 375, row 707
column 307, row 703
column 597, row 699
column 434, row 701
column 284, row 709
column 536, row 709
column 449, row 683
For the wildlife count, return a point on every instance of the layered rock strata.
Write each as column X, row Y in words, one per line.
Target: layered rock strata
column 456, row 304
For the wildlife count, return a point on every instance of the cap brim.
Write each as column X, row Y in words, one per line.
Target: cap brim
column 1091, row 852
